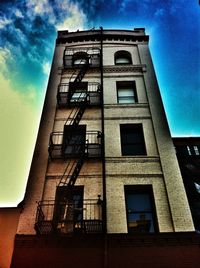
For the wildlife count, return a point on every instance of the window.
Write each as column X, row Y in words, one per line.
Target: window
column 197, row 187
column 73, row 140
column 188, row 150
column 196, row 150
column 140, row 209
column 132, row 140
column 80, row 58
column 68, row 211
column 126, row 92
column 123, row 57
column 77, row 92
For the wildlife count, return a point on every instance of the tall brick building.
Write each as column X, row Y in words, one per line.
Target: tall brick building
column 105, row 189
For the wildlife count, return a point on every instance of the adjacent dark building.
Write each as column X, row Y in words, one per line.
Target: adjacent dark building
column 188, row 154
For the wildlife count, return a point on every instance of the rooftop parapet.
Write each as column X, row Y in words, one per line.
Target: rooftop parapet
column 138, row 34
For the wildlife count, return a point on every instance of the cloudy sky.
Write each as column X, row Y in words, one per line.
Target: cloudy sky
column 27, row 37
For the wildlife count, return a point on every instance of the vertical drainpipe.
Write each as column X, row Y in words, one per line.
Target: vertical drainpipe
column 102, row 127
column 103, row 157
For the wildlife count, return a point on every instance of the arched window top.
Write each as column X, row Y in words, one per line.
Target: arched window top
column 80, row 58
column 123, row 57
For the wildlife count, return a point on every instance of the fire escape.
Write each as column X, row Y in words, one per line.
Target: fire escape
column 68, row 212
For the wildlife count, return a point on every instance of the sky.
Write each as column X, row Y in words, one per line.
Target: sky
column 28, row 30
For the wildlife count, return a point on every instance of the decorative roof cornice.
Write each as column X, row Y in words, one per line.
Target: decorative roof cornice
column 138, row 34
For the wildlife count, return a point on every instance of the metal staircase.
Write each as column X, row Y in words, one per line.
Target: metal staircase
column 77, row 113
column 59, row 215
column 71, row 171
column 81, row 73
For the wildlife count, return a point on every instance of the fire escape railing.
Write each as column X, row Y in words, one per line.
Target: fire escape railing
column 65, row 97
column 93, row 142
column 67, row 217
column 89, row 51
column 92, row 53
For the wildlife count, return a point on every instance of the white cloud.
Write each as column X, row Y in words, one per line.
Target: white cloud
column 70, row 17
column 18, row 13
column 21, row 37
column 46, row 67
column 4, row 21
column 5, row 55
column 75, row 20
column 39, row 7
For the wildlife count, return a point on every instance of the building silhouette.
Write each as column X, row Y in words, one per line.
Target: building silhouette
column 188, row 154
column 105, row 188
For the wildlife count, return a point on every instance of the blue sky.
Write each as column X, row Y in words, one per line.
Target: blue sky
column 27, row 37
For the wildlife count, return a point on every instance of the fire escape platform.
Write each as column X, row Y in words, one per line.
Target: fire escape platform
column 68, row 217
column 73, row 94
column 93, row 146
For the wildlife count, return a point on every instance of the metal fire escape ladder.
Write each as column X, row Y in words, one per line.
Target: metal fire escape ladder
column 79, row 76
column 77, row 112
column 72, row 171
column 82, row 72
column 73, row 120
column 83, row 69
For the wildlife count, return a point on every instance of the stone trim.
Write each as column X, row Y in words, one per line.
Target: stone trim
column 109, row 69
column 147, row 159
column 130, row 106
column 58, row 176
column 128, row 118
column 124, row 68
column 134, row 175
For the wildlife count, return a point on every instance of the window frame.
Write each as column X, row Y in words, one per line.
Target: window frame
column 82, row 56
column 123, row 54
column 188, row 150
column 125, row 84
column 196, row 150
column 124, row 128
column 137, row 190
column 65, row 197
column 77, row 92
column 77, row 140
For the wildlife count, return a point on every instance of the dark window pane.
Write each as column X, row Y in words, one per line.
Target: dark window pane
column 74, row 141
column 68, row 204
column 140, row 213
column 133, row 149
column 141, row 223
column 138, row 202
column 126, row 92
column 132, row 140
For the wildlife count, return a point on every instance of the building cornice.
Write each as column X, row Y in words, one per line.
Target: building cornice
column 138, row 34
